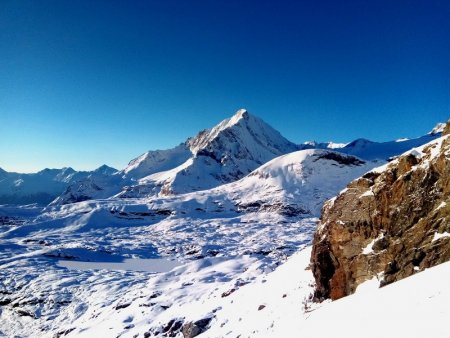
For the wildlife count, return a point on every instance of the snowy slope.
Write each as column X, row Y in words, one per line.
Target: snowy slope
column 156, row 161
column 414, row 307
column 40, row 187
column 223, row 238
column 298, row 182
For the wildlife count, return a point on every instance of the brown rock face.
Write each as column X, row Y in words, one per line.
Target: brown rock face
column 446, row 130
column 387, row 224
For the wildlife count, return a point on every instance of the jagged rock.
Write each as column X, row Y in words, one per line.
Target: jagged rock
column 193, row 329
column 122, row 306
column 386, row 224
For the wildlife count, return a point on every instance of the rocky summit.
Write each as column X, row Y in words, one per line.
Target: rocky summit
column 389, row 224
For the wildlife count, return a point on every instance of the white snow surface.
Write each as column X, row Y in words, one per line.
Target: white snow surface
column 438, row 236
column 414, row 307
column 368, row 249
column 224, row 238
column 278, row 304
column 156, row 161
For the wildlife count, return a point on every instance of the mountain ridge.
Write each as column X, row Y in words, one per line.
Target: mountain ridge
column 222, row 154
column 218, row 155
column 41, row 187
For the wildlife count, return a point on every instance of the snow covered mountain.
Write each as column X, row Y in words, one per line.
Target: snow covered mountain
column 223, row 154
column 216, row 156
column 107, row 184
column 156, row 161
column 41, row 187
column 369, row 150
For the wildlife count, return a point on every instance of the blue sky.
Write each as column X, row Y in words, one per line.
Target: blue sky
column 84, row 83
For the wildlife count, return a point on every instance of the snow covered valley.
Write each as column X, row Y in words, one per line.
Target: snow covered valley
column 223, row 239
column 231, row 259
column 41, row 298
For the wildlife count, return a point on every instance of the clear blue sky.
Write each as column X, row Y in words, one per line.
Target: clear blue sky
column 84, row 83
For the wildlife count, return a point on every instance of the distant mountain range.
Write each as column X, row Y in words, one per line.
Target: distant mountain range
column 223, row 154
column 44, row 186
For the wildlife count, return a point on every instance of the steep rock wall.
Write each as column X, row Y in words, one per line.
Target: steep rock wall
column 389, row 224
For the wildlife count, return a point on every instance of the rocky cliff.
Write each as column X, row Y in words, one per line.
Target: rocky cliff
column 389, row 224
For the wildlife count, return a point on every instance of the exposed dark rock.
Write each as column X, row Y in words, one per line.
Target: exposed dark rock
column 340, row 158
column 192, row 329
column 5, row 301
column 227, row 293
column 289, row 210
column 122, row 306
column 24, row 313
column 172, row 328
column 164, row 212
column 63, row 333
column 155, row 294
column 381, row 244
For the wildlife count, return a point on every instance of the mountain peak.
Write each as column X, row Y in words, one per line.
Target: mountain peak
column 238, row 131
column 360, row 142
column 239, row 115
column 105, row 169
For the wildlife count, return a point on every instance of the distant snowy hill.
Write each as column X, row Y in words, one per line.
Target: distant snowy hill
column 156, row 161
column 369, row 150
column 41, row 187
column 107, row 184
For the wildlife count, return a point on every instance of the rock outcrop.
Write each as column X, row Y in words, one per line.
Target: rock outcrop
column 389, row 224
